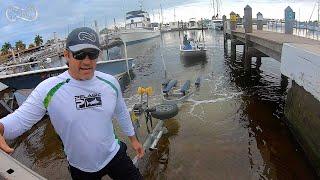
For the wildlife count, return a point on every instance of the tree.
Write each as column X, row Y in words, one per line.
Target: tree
column 38, row 40
column 31, row 45
column 104, row 31
column 5, row 48
column 50, row 41
column 20, row 45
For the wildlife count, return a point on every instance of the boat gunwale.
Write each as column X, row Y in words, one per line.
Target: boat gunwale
column 56, row 69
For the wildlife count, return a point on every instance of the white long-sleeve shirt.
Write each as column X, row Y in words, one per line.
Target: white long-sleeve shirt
column 81, row 113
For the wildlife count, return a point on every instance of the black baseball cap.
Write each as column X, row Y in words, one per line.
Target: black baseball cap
column 82, row 38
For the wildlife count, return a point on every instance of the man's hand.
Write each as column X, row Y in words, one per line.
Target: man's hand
column 137, row 146
column 3, row 145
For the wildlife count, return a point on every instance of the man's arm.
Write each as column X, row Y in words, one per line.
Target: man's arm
column 136, row 145
column 1, row 129
column 124, row 119
column 23, row 118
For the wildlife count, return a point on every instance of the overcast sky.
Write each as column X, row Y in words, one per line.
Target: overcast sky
column 58, row 15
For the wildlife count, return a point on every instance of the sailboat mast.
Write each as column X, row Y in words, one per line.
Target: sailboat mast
column 214, row 9
column 217, row 7
column 124, row 14
column 161, row 14
column 318, row 11
column 141, row 4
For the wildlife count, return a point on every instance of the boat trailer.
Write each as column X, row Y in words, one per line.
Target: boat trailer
column 171, row 93
column 141, row 111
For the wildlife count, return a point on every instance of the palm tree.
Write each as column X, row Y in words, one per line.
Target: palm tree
column 5, row 48
column 20, row 45
column 38, row 40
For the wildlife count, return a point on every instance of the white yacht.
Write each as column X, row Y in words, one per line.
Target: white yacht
column 217, row 24
column 138, row 28
column 193, row 24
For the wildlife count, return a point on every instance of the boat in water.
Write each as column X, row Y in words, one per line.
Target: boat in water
column 192, row 48
column 138, row 28
column 217, row 24
column 30, row 79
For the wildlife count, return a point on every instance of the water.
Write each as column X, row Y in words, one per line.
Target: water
column 233, row 128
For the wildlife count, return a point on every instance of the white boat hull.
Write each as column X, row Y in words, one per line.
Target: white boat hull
column 193, row 52
column 138, row 35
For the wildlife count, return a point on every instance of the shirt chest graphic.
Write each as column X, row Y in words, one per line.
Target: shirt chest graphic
column 88, row 101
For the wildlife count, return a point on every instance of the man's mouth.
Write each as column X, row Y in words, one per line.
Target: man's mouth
column 85, row 68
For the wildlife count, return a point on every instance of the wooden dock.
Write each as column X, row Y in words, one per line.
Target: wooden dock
column 13, row 169
column 267, row 42
column 258, row 43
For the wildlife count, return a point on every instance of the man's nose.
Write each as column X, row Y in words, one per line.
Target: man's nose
column 87, row 59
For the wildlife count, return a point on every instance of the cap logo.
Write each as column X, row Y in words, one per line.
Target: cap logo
column 86, row 36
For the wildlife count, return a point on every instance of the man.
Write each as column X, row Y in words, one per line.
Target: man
column 186, row 43
column 81, row 103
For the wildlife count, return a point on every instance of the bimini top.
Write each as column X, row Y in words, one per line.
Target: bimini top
column 133, row 14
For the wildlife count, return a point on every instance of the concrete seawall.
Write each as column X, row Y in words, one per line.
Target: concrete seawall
column 300, row 62
column 303, row 114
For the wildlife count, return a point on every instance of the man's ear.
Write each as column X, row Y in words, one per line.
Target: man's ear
column 67, row 54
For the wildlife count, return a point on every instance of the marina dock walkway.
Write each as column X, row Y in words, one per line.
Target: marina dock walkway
column 267, row 42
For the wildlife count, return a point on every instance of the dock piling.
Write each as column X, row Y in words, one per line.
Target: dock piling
column 225, row 38
column 248, row 44
column 233, row 21
column 258, row 62
column 233, row 26
column 289, row 19
column 259, row 21
column 248, row 19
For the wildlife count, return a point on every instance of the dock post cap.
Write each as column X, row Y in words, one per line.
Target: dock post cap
column 247, row 7
column 259, row 16
column 288, row 9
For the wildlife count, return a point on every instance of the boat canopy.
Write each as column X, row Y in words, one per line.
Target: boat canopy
column 135, row 12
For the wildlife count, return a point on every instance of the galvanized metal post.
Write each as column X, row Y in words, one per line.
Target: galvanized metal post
column 259, row 21
column 289, row 19
column 248, row 29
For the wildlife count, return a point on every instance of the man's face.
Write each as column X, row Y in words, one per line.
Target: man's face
column 82, row 64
